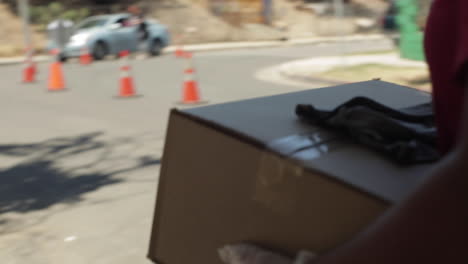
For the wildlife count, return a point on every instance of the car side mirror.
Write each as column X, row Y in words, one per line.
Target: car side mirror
column 115, row 26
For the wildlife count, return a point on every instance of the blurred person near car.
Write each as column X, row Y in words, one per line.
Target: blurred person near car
column 430, row 226
column 138, row 19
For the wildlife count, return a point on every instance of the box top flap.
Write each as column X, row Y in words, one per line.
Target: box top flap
column 261, row 121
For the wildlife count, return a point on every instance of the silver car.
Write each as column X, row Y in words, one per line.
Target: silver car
column 110, row 34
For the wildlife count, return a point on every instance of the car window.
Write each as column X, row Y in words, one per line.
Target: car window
column 97, row 22
column 124, row 21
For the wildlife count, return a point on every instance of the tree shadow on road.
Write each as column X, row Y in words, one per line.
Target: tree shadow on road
column 37, row 185
column 41, row 179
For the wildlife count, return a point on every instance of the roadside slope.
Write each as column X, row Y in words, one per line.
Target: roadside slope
column 11, row 37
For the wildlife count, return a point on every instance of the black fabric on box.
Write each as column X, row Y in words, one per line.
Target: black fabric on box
column 408, row 136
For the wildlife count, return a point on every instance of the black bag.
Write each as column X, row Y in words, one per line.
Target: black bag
column 408, row 136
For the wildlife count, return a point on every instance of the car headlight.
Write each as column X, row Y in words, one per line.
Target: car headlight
column 79, row 39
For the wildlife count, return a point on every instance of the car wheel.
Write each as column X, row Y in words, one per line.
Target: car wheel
column 100, row 51
column 62, row 58
column 155, row 48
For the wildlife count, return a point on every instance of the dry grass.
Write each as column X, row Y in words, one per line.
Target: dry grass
column 10, row 50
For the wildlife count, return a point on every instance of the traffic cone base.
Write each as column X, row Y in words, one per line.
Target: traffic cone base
column 56, row 81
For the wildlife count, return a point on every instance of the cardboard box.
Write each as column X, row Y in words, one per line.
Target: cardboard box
column 233, row 172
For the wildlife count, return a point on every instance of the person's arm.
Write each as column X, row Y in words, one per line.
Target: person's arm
column 431, row 226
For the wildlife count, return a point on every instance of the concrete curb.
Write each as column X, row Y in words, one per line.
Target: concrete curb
column 18, row 60
column 277, row 43
column 238, row 45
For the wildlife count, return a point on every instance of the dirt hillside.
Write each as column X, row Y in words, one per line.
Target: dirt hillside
column 11, row 37
column 292, row 19
column 186, row 16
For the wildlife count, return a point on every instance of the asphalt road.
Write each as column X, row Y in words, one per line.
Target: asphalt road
column 79, row 168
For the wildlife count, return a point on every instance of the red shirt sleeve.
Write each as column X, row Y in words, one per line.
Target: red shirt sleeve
column 446, row 43
column 460, row 69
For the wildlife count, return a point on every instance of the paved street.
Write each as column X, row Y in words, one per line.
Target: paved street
column 79, row 169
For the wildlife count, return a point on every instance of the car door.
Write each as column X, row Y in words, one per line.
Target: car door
column 123, row 35
column 129, row 39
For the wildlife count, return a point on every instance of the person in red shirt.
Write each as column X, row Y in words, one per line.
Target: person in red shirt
column 431, row 226
column 447, row 55
column 138, row 20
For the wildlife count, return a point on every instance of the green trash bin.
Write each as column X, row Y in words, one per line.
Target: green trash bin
column 405, row 3
column 412, row 46
column 409, row 29
column 411, row 37
column 409, row 11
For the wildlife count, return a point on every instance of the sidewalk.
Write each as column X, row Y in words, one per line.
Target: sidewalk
column 239, row 45
column 303, row 70
column 264, row 44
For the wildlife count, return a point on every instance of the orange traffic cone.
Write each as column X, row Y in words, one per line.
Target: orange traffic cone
column 179, row 52
column 127, row 88
column 85, row 57
column 190, row 91
column 29, row 72
column 56, row 80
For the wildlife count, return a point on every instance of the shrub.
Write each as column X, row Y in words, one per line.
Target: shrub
column 42, row 15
